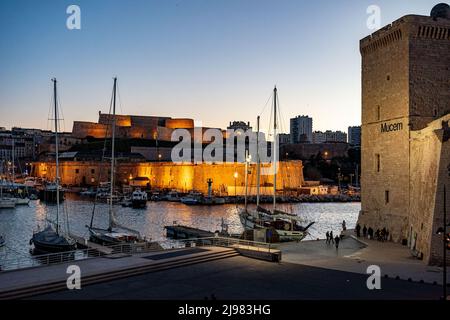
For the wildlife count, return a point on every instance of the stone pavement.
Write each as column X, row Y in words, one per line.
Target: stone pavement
column 355, row 255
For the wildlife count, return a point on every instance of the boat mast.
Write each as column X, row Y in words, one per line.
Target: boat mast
column 13, row 159
column 275, row 151
column 112, row 156
column 55, row 98
column 246, row 179
column 258, row 165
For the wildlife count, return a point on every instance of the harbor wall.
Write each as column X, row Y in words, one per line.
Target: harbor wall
column 169, row 175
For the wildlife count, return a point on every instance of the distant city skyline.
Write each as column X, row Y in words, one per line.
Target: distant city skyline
column 213, row 61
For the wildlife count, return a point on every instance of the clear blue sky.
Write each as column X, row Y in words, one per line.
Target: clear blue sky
column 212, row 60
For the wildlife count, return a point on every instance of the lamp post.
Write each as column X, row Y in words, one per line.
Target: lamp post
column 443, row 231
column 235, row 194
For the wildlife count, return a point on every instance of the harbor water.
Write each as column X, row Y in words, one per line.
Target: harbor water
column 17, row 225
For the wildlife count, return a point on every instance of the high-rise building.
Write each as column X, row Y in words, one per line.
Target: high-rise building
column 301, row 129
column 329, row 136
column 354, row 135
column 405, row 137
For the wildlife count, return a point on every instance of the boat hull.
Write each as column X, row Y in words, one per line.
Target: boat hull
column 138, row 204
column 7, row 203
column 50, row 196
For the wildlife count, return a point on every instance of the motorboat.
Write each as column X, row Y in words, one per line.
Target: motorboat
column 139, row 198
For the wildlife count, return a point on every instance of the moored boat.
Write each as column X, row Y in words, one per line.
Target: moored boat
column 139, row 199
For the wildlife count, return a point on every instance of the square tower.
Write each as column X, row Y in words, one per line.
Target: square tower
column 405, row 88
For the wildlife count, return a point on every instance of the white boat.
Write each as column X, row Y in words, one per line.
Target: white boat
column 190, row 200
column 139, row 198
column 22, row 201
column 173, row 196
column 7, row 203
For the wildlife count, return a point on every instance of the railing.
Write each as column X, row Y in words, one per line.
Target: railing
column 130, row 248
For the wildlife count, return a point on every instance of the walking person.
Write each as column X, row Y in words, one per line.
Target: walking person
column 365, row 231
column 344, row 225
column 370, row 232
column 336, row 240
column 328, row 237
column 358, row 230
column 331, row 237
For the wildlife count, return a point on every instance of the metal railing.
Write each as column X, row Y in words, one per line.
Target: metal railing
column 130, row 248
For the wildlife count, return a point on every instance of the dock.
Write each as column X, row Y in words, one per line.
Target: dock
column 83, row 243
column 183, row 232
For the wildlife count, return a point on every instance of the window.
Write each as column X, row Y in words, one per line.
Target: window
column 386, row 196
column 93, row 171
column 378, row 113
column 378, row 159
column 77, row 171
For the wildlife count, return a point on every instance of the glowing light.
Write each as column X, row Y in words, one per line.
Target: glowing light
column 236, row 175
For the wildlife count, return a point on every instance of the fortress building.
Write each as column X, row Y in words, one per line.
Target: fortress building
column 129, row 126
column 405, row 130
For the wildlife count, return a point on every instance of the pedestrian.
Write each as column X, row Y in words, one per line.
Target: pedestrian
column 384, row 231
column 358, row 230
column 365, row 231
column 331, row 237
column 344, row 226
column 328, row 237
column 370, row 232
column 337, row 239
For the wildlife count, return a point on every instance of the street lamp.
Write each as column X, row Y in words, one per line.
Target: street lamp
column 235, row 195
column 443, row 231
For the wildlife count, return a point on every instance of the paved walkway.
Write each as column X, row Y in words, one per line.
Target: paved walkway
column 243, row 278
column 14, row 279
column 355, row 256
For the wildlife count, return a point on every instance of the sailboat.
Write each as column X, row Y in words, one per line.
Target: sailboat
column 115, row 233
column 20, row 200
column 287, row 226
column 51, row 240
column 6, row 202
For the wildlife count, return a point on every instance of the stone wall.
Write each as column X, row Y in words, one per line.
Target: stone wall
column 405, row 99
column 184, row 177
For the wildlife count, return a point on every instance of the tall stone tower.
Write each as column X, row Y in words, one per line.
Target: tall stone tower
column 405, row 134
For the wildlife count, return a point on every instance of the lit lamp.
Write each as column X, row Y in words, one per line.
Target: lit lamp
column 235, row 195
column 445, row 240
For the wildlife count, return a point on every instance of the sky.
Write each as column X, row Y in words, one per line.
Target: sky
column 211, row 60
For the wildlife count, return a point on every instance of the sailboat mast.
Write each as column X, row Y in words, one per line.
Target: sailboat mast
column 275, row 150
column 258, row 165
column 112, row 155
column 246, row 180
column 55, row 98
column 13, row 159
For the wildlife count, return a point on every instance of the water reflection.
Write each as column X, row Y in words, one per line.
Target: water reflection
column 17, row 225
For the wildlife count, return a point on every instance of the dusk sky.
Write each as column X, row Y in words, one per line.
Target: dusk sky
column 211, row 60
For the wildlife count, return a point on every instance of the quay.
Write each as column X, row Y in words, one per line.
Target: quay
column 309, row 270
column 184, row 232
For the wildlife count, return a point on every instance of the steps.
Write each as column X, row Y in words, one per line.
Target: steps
column 31, row 291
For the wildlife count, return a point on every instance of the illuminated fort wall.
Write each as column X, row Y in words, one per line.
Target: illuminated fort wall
column 182, row 177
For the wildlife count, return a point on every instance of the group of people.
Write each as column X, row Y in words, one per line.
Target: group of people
column 380, row 235
column 332, row 240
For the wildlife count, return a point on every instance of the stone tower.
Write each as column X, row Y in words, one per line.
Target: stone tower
column 405, row 134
